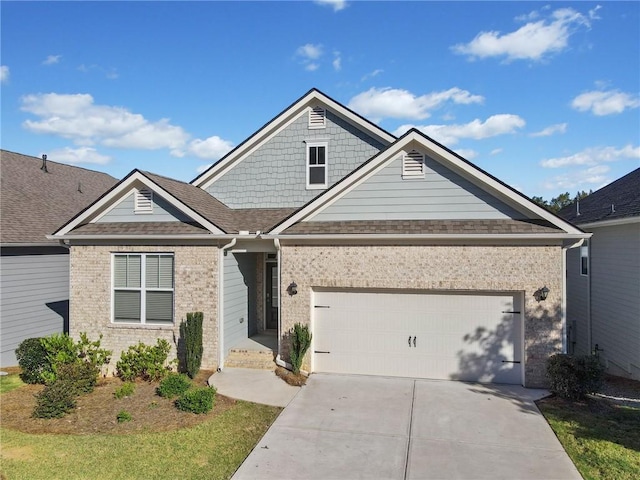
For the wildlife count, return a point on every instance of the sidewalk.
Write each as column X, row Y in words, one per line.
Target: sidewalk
column 259, row 386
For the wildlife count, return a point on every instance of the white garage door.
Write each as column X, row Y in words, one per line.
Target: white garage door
column 473, row 337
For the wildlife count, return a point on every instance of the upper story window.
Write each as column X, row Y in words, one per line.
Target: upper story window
column 317, row 117
column 317, row 165
column 413, row 165
column 584, row 258
column 143, row 288
column 144, row 201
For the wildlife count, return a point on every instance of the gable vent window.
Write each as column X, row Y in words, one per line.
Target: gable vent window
column 144, row 201
column 413, row 165
column 317, row 117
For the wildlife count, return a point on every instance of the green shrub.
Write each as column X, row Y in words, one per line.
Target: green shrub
column 144, row 361
column 80, row 376
column 574, row 377
column 300, row 343
column 123, row 416
column 191, row 333
column 55, row 400
column 126, row 390
column 197, row 400
column 62, row 350
column 173, row 385
column 32, row 358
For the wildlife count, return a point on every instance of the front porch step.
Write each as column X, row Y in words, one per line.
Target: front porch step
column 256, row 359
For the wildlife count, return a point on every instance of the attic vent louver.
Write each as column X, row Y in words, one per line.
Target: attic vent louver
column 144, row 201
column 413, row 165
column 317, row 117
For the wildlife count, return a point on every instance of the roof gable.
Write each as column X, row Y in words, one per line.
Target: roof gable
column 617, row 201
column 305, row 104
column 443, row 156
column 35, row 202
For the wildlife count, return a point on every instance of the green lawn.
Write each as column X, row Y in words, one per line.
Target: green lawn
column 602, row 440
column 9, row 382
column 211, row 450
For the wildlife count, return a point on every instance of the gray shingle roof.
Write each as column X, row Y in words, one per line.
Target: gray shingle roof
column 34, row 203
column 623, row 194
column 140, row 228
column 442, row 227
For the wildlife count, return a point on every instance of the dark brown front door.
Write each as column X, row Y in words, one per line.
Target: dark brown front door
column 271, row 292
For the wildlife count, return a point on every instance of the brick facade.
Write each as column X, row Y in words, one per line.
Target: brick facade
column 196, row 289
column 445, row 268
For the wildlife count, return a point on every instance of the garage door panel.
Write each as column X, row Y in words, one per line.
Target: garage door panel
column 457, row 336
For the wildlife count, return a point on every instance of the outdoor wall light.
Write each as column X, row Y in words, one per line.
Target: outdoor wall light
column 292, row 288
column 544, row 293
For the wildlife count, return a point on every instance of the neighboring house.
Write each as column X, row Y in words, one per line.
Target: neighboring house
column 37, row 196
column 402, row 257
column 603, row 276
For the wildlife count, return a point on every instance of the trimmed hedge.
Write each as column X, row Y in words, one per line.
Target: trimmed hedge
column 173, row 385
column 32, row 358
column 574, row 377
column 197, row 400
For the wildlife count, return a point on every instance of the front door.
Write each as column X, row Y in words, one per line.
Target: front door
column 271, row 294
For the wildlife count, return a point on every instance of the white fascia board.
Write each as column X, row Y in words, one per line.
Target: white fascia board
column 273, row 128
column 610, row 223
column 140, row 237
column 432, row 236
column 119, row 191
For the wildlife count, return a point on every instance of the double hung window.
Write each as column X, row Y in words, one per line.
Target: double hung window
column 317, row 165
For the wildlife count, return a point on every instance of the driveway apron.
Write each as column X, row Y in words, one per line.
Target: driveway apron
column 348, row 427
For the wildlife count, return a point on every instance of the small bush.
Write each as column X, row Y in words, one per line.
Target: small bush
column 126, row 390
column 574, row 377
column 144, row 361
column 197, row 400
column 300, row 343
column 191, row 333
column 123, row 416
column 80, row 376
column 32, row 358
column 173, row 385
column 55, row 400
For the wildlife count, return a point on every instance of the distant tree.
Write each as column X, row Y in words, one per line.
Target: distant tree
column 561, row 201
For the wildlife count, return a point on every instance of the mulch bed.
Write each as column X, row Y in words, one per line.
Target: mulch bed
column 97, row 411
column 297, row 380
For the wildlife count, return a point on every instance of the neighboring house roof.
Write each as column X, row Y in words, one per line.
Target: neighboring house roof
column 614, row 202
column 33, row 203
column 279, row 122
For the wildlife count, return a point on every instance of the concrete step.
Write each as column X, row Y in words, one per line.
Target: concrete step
column 256, row 359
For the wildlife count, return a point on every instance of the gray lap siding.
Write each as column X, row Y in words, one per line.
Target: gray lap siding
column 442, row 268
column 195, row 289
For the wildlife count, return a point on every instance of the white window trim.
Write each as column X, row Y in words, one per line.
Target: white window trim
column 408, row 160
column 314, row 112
column 142, row 289
column 143, row 201
column 585, row 248
column 317, row 186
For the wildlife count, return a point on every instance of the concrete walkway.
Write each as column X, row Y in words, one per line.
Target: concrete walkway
column 259, row 386
column 344, row 427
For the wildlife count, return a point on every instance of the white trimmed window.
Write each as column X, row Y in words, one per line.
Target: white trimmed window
column 317, row 154
column 144, row 201
column 317, row 117
column 143, row 288
column 413, row 165
column 584, row 258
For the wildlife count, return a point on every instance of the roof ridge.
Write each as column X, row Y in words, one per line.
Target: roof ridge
column 58, row 163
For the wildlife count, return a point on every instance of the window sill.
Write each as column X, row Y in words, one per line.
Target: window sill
column 316, row 187
column 140, row 326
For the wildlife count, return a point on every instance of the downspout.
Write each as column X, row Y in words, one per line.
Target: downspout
column 563, row 303
column 221, row 253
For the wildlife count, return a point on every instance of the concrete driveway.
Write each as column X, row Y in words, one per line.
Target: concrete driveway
column 348, row 427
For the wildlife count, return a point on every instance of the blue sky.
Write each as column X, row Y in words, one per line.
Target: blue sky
column 545, row 96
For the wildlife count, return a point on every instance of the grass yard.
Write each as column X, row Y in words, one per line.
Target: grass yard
column 9, row 382
column 186, row 445
column 602, row 439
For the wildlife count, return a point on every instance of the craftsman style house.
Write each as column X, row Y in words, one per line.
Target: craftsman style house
column 402, row 257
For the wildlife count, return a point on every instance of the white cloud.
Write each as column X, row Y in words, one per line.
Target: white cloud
column 52, row 60
column 466, row 153
column 337, row 5
column 76, row 117
column 4, row 74
column 593, row 156
column 533, row 41
column 311, row 67
column 601, row 102
column 74, row 156
column 212, row 148
column 590, row 178
column 493, row 126
column 495, row 151
column 377, row 103
column 111, row 73
column 337, row 61
column 375, row 73
column 551, row 130
column 310, row 51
